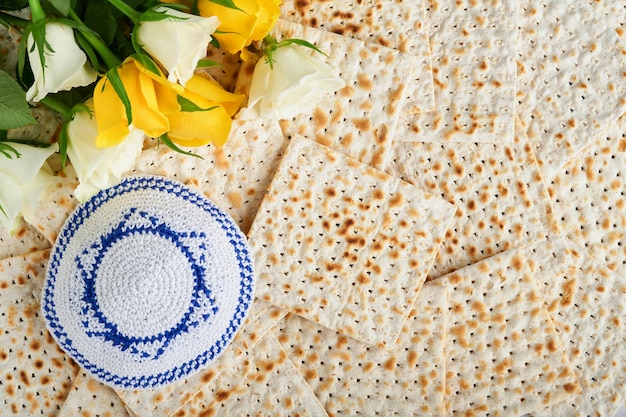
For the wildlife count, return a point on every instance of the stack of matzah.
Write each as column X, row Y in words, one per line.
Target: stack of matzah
column 445, row 236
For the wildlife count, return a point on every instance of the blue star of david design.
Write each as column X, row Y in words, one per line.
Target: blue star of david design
column 203, row 305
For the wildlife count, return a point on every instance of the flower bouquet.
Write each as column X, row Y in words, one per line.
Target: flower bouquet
column 118, row 72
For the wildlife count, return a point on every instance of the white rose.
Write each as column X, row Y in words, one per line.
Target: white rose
column 99, row 168
column 66, row 64
column 297, row 83
column 178, row 43
column 23, row 180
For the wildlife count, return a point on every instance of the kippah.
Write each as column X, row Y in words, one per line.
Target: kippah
column 147, row 283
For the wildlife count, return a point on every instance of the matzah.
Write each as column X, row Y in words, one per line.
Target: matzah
column 36, row 375
column 343, row 244
column 473, row 59
column 351, row 378
column 497, row 188
column 25, row 240
column 503, row 354
column 588, row 198
column 586, row 302
column 169, row 399
column 360, row 119
column 570, row 77
column 389, row 23
column 91, row 398
column 266, row 383
column 234, row 176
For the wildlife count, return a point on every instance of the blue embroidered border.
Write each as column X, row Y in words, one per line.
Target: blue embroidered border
column 236, row 239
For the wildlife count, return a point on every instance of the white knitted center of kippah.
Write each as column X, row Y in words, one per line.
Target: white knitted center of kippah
column 149, row 292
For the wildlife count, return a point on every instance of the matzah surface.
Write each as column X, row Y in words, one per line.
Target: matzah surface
column 588, row 198
column 343, row 244
column 234, row 176
column 91, row 398
column 503, row 354
column 36, row 374
column 26, row 239
column 360, row 119
column 586, row 303
column 169, row 399
column 351, row 378
column 570, row 85
column 397, row 25
column 266, row 383
column 497, row 188
column 473, row 51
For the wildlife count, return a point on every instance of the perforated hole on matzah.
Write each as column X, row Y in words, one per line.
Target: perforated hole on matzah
column 504, row 356
column 570, row 77
column 588, row 198
column 234, row 176
column 343, row 244
column 351, row 378
column 585, row 301
column 360, row 119
column 36, row 374
column 473, row 57
column 398, row 25
column 497, row 188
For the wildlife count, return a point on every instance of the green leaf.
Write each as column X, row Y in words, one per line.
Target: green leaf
column 14, row 110
column 207, row 63
column 168, row 142
column 13, row 4
column 98, row 17
column 190, row 107
column 152, row 15
column 228, row 3
column 61, row 6
column 38, row 30
column 116, row 82
column 300, row 42
column 63, row 141
column 147, row 62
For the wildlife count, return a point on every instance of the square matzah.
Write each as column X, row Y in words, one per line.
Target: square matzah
column 589, row 201
column 343, row 244
column 473, row 53
column 351, row 378
column 504, row 357
column 500, row 197
column 570, row 77
column 397, row 25
column 586, row 302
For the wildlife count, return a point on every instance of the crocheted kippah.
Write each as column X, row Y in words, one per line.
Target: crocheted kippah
column 148, row 282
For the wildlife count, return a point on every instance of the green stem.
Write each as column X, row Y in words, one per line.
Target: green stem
column 8, row 20
column 36, row 11
column 110, row 59
column 131, row 13
column 57, row 106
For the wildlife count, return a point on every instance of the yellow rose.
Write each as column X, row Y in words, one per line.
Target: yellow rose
column 196, row 128
column 238, row 28
column 152, row 98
